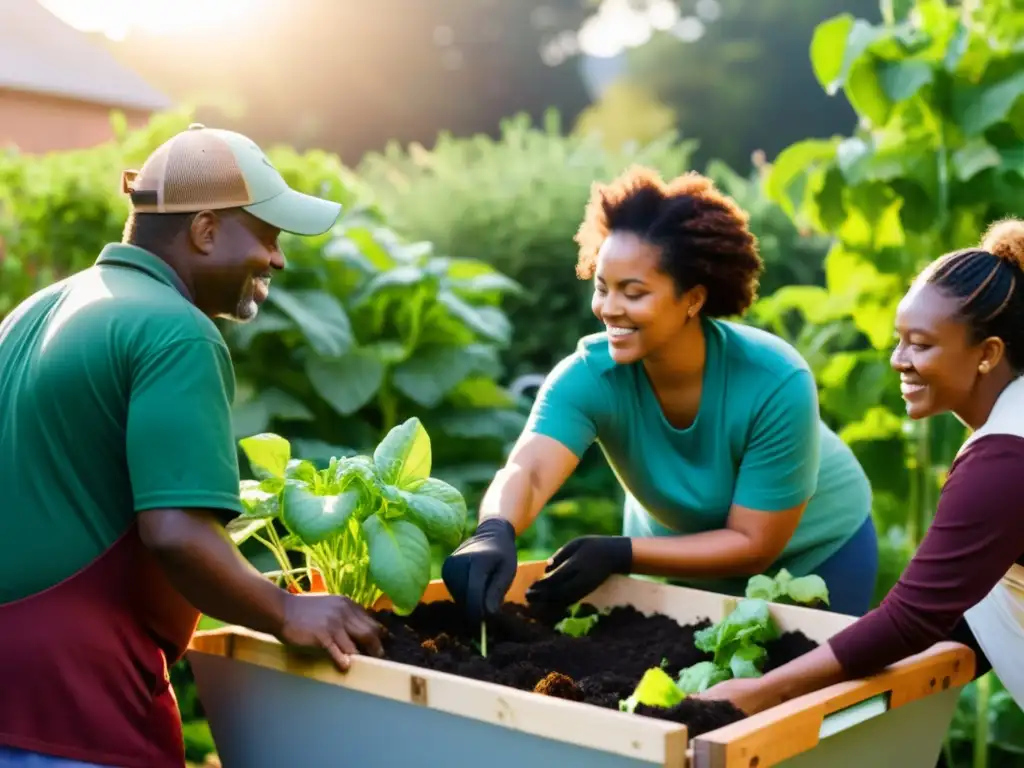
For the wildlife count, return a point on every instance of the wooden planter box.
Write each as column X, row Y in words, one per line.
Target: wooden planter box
column 269, row 706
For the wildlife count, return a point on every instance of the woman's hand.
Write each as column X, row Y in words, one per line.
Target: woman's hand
column 480, row 571
column 748, row 694
column 580, row 567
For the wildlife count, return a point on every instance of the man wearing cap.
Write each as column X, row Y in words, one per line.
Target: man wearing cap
column 118, row 465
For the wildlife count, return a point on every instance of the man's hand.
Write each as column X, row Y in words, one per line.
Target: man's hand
column 331, row 622
column 580, row 567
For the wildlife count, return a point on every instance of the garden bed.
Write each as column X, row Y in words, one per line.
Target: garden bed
column 603, row 668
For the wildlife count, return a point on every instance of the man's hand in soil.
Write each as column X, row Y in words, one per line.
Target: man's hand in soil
column 333, row 623
column 580, row 567
column 206, row 567
column 480, row 571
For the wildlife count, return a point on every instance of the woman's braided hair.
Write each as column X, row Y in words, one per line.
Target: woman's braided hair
column 989, row 282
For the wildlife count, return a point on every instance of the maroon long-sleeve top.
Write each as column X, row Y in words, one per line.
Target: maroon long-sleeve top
column 976, row 537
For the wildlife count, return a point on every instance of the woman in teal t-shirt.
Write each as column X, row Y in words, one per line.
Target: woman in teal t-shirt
column 711, row 426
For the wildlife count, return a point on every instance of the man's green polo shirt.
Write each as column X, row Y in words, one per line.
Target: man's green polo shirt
column 115, row 397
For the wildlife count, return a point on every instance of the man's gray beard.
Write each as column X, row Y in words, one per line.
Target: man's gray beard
column 247, row 308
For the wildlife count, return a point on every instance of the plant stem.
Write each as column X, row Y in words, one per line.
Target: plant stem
column 981, row 722
column 274, row 545
column 483, row 639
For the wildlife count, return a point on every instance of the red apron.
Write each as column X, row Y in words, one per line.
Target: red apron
column 84, row 664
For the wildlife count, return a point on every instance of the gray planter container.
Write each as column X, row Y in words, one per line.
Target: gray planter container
column 269, row 707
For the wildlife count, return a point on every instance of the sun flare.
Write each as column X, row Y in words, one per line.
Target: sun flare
column 118, row 18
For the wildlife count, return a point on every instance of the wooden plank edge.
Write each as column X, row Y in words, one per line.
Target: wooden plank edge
column 652, row 740
column 793, row 727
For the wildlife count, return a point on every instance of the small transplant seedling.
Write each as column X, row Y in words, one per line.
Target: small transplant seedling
column 655, row 689
column 784, row 588
column 737, row 641
column 365, row 524
column 578, row 626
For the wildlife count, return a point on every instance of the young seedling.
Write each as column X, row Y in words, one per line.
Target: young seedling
column 737, row 644
column 578, row 626
column 784, row 588
column 655, row 689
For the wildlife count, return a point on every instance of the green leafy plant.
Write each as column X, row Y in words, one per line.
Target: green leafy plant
column 937, row 153
column 784, row 588
column 364, row 524
column 655, row 689
column 578, row 626
column 736, row 640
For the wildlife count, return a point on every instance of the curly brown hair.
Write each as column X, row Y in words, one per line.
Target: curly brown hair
column 702, row 234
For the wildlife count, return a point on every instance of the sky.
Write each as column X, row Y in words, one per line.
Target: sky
column 118, row 18
column 616, row 26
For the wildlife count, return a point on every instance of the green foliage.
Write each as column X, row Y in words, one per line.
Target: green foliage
column 575, row 625
column 936, row 156
column 938, row 153
column 363, row 524
column 363, row 330
column 784, row 588
column 655, row 689
column 57, row 210
column 735, row 640
column 791, row 256
column 514, row 203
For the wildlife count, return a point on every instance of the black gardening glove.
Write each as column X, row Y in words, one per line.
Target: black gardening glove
column 480, row 571
column 580, row 567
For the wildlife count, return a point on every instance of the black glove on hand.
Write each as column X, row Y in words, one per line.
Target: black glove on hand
column 580, row 567
column 480, row 571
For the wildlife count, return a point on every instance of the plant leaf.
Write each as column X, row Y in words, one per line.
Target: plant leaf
column 403, row 457
column 257, row 501
column 399, row 560
column 346, row 383
column 489, row 322
column 316, row 518
column 241, row 529
column 701, row 676
column 438, row 509
column 300, row 469
column 655, row 689
column 320, row 317
column 268, row 454
column 361, row 467
column 746, row 661
column 808, row 590
column 762, row 587
column 432, row 372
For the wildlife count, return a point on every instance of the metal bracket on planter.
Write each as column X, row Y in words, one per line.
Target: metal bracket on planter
column 853, row 715
column 418, row 690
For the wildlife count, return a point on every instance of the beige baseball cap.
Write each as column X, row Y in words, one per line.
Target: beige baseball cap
column 209, row 169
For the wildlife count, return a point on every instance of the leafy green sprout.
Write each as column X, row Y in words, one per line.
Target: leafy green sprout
column 785, row 588
column 364, row 523
column 736, row 642
column 578, row 626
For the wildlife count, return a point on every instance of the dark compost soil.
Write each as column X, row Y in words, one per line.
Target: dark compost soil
column 525, row 651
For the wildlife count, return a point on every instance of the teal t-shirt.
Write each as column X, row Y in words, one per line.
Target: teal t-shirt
column 757, row 441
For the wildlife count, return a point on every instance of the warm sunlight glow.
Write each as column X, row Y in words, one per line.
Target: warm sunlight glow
column 118, row 18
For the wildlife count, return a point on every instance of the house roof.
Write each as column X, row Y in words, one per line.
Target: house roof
column 41, row 54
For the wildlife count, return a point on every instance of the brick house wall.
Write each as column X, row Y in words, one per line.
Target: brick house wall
column 36, row 122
